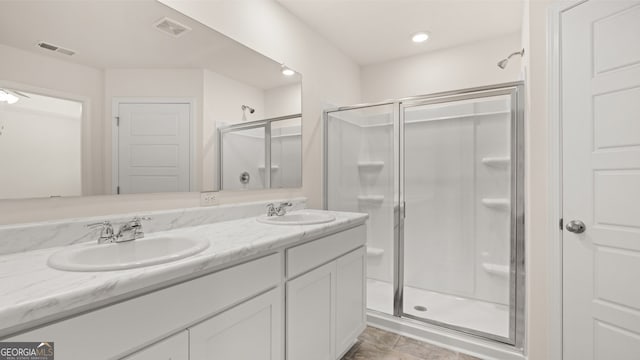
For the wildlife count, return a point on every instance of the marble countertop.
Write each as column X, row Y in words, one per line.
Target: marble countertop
column 32, row 293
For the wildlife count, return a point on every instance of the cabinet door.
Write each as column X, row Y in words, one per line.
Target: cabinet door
column 350, row 299
column 311, row 314
column 249, row 331
column 175, row 347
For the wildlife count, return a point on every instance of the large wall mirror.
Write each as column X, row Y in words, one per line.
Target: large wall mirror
column 120, row 97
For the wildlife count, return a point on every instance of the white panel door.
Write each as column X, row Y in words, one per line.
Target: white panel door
column 153, row 148
column 601, row 180
column 175, row 347
column 311, row 315
column 351, row 316
column 250, row 331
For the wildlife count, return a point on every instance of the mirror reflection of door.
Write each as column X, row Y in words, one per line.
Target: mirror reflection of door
column 153, row 145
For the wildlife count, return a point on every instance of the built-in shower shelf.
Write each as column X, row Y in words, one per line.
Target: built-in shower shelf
column 495, row 269
column 374, row 252
column 273, row 167
column 496, row 161
column 459, row 116
column 498, row 204
column 370, row 200
column 370, row 165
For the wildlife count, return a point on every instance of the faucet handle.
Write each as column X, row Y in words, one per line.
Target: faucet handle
column 271, row 209
column 281, row 210
column 106, row 231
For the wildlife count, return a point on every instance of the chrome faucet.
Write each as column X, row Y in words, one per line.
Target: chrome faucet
column 129, row 231
column 279, row 210
column 106, row 232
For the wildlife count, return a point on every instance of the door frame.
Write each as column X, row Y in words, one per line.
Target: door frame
column 554, row 175
column 115, row 112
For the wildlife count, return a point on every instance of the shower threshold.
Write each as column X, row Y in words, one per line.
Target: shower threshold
column 449, row 309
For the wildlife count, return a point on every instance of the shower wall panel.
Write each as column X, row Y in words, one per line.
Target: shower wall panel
column 361, row 178
column 377, row 197
column 457, row 178
column 243, row 151
column 439, row 226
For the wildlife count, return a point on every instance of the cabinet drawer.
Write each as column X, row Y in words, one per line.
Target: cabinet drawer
column 309, row 255
column 118, row 329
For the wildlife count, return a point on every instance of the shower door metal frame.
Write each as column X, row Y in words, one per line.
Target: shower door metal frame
column 517, row 278
column 517, row 267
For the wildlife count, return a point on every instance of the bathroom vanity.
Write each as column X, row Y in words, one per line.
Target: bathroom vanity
column 259, row 291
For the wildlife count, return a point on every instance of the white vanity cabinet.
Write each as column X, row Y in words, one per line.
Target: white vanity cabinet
column 175, row 347
column 316, row 289
column 311, row 303
column 249, row 331
column 121, row 329
column 326, row 304
column 351, row 315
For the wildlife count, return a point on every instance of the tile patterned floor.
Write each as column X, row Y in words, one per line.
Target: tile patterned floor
column 376, row 344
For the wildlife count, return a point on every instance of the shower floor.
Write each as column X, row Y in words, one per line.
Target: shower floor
column 468, row 313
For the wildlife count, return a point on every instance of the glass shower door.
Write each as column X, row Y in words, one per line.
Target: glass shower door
column 361, row 175
column 461, row 204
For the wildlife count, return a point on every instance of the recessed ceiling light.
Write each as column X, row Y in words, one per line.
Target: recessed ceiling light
column 287, row 72
column 420, row 37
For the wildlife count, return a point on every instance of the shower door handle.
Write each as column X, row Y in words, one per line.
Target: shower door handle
column 576, row 226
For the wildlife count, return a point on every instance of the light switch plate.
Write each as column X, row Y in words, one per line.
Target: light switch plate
column 209, row 198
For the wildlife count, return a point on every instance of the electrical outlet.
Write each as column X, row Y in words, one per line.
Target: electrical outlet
column 208, row 198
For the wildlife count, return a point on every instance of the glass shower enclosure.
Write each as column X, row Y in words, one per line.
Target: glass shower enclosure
column 441, row 177
column 262, row 154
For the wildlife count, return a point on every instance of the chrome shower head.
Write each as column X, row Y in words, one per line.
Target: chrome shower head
column 504, row 62
column 251, row 110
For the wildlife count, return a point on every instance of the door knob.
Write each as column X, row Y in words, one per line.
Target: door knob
column 576, row 226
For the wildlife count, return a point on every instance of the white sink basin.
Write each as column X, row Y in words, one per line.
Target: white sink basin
column 148, row 251
column 298, row 218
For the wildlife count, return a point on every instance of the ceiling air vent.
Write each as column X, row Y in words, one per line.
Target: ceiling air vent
column 171, row 27
column 56, row 48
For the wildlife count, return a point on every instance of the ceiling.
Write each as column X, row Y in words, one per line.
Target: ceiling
column 375, row 31
column 120, row 34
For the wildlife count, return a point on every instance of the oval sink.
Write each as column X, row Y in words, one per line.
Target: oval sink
column 298, row 218
column 148, row 251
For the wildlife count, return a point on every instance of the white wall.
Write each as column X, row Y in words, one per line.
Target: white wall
column 40, row 148
column 283, row 100
column 537, row 187
column 46, row 75
column 454, row 68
